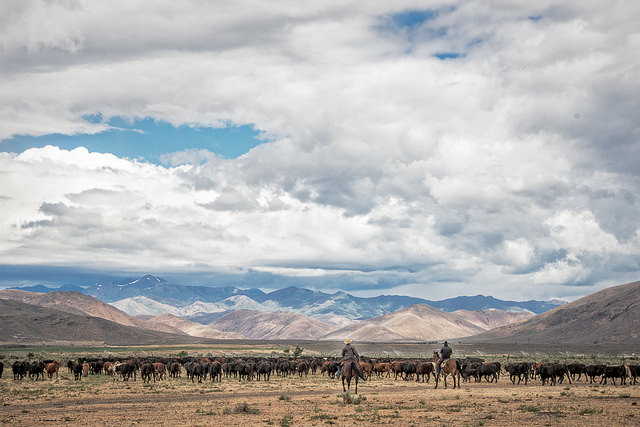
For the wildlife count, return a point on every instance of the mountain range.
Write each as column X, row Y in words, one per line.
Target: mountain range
column 151, row 295
column 608, row 316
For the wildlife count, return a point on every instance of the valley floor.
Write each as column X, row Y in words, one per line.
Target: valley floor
column 313, row 400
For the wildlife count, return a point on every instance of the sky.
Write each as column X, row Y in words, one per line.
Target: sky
column 424, row 148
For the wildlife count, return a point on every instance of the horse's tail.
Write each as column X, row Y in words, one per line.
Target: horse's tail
column 458, row 366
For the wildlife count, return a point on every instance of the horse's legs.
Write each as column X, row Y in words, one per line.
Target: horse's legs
column 356, row 384
column 437, row 377
column 343, row 389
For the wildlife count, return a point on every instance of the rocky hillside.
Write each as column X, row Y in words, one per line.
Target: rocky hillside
column 419, row 322
column 271, row 325
column 31, row 324
column 492, row 318
column 191, row 328
column 608, row 316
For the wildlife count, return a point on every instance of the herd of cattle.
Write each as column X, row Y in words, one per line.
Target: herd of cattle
column 257, row 368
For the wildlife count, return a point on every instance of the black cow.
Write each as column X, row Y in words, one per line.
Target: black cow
column 36, row 370
column 96, row 367
column 215, row 371
column 1, row 369
column 552, row 372
column 593, row 371
column 408, row 370
column 197, row 372
column 489, row 371
column 20, row 369
column 424, row 369
column 126, row 370
column 518, row 370
column 614, row 372
column 264, row 369
column 77, row 371
column 471, row 370
column 577, row 369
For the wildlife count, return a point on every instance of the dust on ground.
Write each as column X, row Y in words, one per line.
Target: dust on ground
column 314, row 400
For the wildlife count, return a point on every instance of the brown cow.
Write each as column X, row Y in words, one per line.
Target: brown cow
column 366, row 369
column 159, row 371
column 52, row 368
column 85, row 369
column 381, row 368
column 396, row 368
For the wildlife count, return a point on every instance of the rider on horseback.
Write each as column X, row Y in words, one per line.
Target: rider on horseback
column 350, row 353
column 445, row 353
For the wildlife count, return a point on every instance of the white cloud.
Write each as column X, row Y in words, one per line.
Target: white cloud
column 514, row 163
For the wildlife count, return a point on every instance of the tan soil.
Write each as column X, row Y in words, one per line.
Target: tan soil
column 313, row 400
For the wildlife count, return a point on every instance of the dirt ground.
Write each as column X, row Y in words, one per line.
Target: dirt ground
column 314, row 400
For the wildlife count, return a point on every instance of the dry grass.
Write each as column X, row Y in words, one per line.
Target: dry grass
column 315, row 400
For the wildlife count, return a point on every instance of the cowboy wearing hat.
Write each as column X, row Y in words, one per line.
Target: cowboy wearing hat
column 350, row 353
column 445, row 353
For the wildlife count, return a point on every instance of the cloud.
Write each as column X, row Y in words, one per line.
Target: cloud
column 509, row 169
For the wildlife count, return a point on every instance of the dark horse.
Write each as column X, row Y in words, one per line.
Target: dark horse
column 449, row 367
column 347, row 373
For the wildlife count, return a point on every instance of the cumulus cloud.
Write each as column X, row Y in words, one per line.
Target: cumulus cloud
column 507, row 167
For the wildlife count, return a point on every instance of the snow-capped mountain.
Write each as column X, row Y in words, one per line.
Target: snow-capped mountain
column 151, row 295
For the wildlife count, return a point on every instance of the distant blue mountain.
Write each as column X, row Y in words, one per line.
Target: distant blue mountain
column 41, row 289
column 291, row 298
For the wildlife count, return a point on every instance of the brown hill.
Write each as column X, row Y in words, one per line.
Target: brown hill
column 420, row 322
column 26, row 323
column 608, row 316
column 192, row 328
column 493, row 318
column 81, row 304
column 271, row 325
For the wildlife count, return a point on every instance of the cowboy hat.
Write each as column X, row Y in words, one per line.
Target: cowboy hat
column 347, row 340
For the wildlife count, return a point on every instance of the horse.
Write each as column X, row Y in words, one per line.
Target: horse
column 347, row 373
column 449, row 367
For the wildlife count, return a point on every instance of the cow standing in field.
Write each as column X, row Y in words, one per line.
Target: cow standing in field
column 633, row 369
column 613, row 372
column 424, row 369
column 126, row 370
column 381, row 368
column 174, row 370
column 52, row 368
column 1, row 368
column 36, row 370
column 264, row 369
column 215, row 371
column 197, row 372
column 147, row 372
column 518, row 370
column 77, row 371
column 159, row 371
column 593, row 371
column 20, row 369
column 490, row 371
column 577, row 369
column 367, row 369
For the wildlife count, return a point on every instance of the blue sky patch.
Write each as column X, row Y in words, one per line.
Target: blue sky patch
column 146, row 139
column 447, row 55
column 413, row 18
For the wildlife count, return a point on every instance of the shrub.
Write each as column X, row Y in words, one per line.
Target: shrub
column 348, row 398
column 244, row 408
